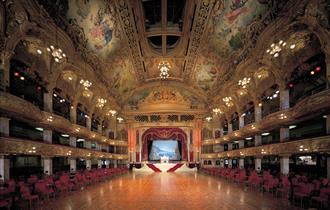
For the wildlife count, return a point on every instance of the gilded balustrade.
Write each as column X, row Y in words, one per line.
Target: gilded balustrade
column 311, row 145
column 307, row 107
column 14, row 106
column 10, row 145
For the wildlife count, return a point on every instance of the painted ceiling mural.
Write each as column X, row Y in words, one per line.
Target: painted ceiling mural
column 227, row 30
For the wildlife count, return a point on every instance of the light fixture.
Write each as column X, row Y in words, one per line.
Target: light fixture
column 227, row 101
column 112, row 112
column 292, row 127
column 87, row 84
column 208, row 119
column 260, row 104
column 101, row 102
column 164, row 68
column 120, row 119
column 248, row 138
column 244, row 82
column 39, row 129
column 39, row 51
column 65, row 135
column 217, row 111
column 283, row 116
column 324, row 116
column 50, row 119
column 57, row 53
column 22, row 78
column 80, row 140
column 265, row 134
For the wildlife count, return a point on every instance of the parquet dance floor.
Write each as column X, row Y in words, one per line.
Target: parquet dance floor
column 167, row 191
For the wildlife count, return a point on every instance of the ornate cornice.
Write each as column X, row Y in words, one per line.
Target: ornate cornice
column 14, row 106
column 309, row 106
column 26, row 147
column 200, row 23
column 128, row 26
column 319, row 144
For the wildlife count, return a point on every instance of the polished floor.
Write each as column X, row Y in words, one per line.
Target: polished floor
column 166, row 191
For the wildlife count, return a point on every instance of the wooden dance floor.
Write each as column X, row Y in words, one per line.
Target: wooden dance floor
column 166, row 191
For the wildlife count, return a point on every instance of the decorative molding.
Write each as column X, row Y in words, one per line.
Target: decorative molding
column 128, row 25
column 309, row 106
column 18, row 146
column 200, row 23
column 14, row 106
column 311, row 145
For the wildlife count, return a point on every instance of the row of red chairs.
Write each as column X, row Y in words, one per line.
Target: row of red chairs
column 300, row 188
column 26, row 194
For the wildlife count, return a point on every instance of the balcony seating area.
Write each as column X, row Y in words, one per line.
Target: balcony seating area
column 300, row 190
column 34, row 191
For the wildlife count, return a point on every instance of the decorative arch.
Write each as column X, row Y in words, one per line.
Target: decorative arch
column 164, row 133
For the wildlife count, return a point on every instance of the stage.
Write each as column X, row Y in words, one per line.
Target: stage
column 164, row 167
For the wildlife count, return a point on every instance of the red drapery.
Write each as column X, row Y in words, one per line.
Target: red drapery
column 164, row 134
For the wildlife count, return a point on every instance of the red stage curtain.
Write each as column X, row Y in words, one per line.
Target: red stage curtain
column 164, row 134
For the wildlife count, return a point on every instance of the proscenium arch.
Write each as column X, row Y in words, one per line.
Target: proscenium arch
column 164, row 133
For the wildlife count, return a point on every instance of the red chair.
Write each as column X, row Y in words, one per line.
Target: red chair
column 5, row 203
column 323, row 198
column 303, row 192
column 26, row 195
column 44, row 190
column 284, row 187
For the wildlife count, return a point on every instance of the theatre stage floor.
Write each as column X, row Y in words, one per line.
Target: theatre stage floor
column 166, row 191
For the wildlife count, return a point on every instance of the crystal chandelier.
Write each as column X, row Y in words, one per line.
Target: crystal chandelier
column 217, row 111
column 227, row 100
column 120, row 119
column 86, row 84
column 208, row 119
column 244, row 82
column 112, row 112
column 57, row 53
column 164, row 68
column 276, row 48
column 101, row 102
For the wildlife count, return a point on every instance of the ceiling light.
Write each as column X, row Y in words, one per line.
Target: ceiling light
column 112, row 112
column 65, row 135
column 292, row 126
column 208, row 119
column 39, row 129
column 39, row 51
column 228, row 101
column 22, row 78
column 101, row 102
column 217, row 111
column 324, row 116
column 265, row 134
column 57, row 53
column 120, row 119
column 259, row 76
column 244, row 82
column 276, row 48
column 260, row 104
column 80, row 140
column 248, row 138
column 164, row 68
column 87, row 84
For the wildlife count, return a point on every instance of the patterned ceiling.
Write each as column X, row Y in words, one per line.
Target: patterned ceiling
column 114, row 37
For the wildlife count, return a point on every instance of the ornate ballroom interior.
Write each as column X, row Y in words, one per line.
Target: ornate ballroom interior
column 164, row 104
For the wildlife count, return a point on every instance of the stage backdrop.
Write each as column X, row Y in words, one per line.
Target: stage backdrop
column 164, row 134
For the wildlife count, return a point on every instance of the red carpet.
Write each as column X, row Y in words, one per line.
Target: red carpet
column 153, row 167
column 178, row 165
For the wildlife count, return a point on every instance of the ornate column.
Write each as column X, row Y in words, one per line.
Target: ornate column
column 99, row 163
column 48, row 101
column 284, row 104
column 241, row 121
column 5, row 69
column 4, row 126
column 73, row 164
column 4, row 167
column 328, row 124
column 230, row 128
column 89, row 122
column 230, row 146
column 257, row 112
column 73, row 113
column 47, row 136
column 222, row 163
column 284, row 164
column 257, row 164
column 221, row 132
column 99, row 129
column 88, row 164
column 107, row 163
column 197, row 138
column 88, row 144
column 73, row 141
column 241, row 163
column 230, row 163
column 241, row 144
column 131, row 141
column 257, row 140
column 47, row 163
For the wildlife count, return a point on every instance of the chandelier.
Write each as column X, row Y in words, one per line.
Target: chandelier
column 244, row 82
column 208, row 119
column 120, row 119
column 86, row 84
column 112, row 112
column 164, row 68
column 227, row 100
column 101, row 102
column 217, row 111
column 57, row 53
column 276, row 48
